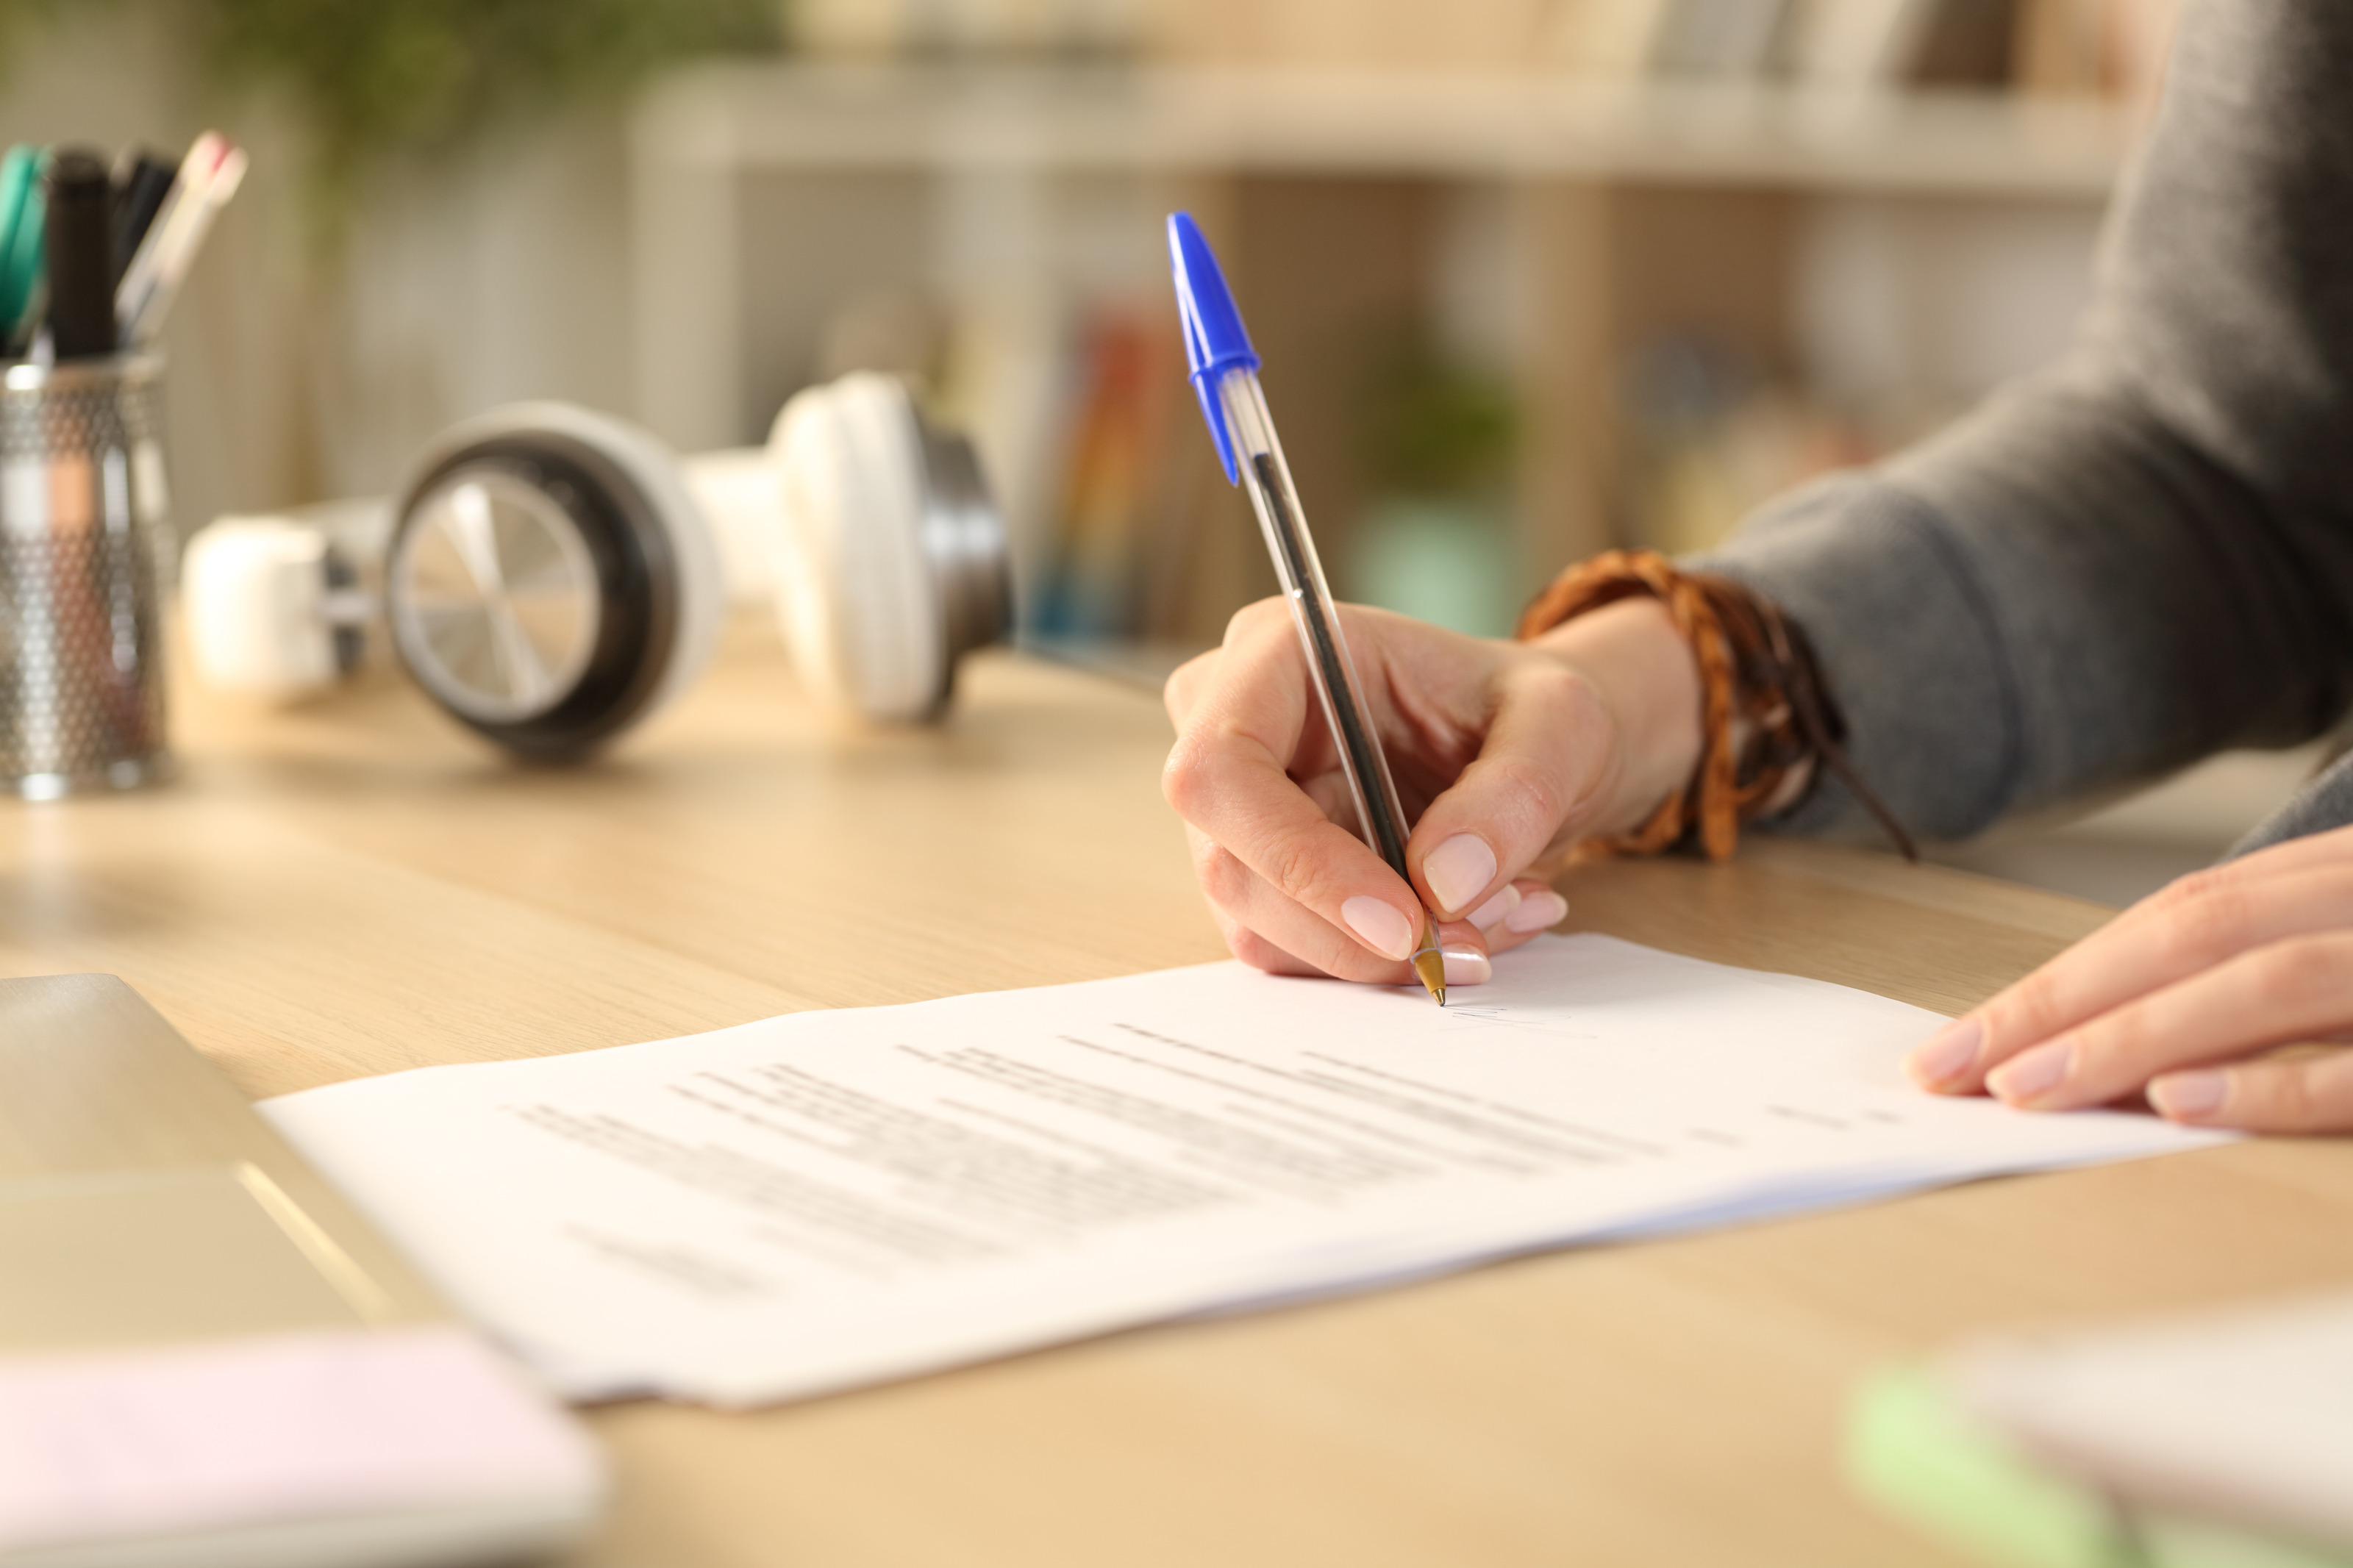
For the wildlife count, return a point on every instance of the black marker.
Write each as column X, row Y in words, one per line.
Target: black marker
column 141, row 181
column 80, row 246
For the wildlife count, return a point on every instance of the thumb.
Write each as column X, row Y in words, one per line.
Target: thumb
column 1548, row 752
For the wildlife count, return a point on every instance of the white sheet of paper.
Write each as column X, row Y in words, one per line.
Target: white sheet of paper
column 828, row 1199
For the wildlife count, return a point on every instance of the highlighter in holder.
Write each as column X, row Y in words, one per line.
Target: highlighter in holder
column 24, row 212
column 83, row 519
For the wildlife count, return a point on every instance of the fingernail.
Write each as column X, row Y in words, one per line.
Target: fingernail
column 2189, row 1096
column 1497, row 910
column 1537, row 911
column 1467, row 966
column 1948, row 1053
column 2035, row 1074
column 1459, row 870
column 1384, row 930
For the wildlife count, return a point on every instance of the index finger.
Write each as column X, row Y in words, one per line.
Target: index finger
column 1228, row 774
column 2189, row 927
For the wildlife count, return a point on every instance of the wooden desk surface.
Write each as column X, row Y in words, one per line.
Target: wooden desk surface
column 355, row 888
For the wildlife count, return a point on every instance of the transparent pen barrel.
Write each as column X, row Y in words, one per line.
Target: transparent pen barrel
column 1258, row 456
column 81, row 524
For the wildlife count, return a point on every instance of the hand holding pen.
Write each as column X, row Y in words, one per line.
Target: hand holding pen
column 1225, row 376
column 1501, row 755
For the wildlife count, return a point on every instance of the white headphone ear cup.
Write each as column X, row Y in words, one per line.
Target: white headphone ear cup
column 861, row 610
column 253, row 594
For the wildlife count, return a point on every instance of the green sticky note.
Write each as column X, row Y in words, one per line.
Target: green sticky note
column 1913, row 1450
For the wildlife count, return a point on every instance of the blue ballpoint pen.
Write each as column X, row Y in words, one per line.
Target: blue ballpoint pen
column 1224, row 374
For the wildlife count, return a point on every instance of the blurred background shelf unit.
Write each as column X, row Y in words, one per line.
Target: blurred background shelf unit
column 1510, row 317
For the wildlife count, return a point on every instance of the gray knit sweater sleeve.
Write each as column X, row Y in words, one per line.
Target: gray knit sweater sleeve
column 2146, row 553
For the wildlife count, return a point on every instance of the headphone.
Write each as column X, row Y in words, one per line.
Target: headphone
column 551, row 577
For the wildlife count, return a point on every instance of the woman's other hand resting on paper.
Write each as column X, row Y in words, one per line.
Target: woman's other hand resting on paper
column 1505, row 754
column 2189, row 994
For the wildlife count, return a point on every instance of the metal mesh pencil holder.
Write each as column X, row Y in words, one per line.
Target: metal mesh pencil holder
column 83, row 515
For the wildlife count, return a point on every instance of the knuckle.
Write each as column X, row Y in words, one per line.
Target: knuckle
column 2032, row 1010
column 2296, row 974
column 1375, row 626
column 2297, row 1092
column 2186, row 892
column 1294, row 867
column 1558, row 688
column 1563, row 705
column 1225, row 881
column 1187, row 777
column 2205, row 926
column 1570, row 702
column 2113, row 1043
column 1524, row 793
column 1254, row 949
column 1183, row 687
column 2291, row 1096
column 1251, row 619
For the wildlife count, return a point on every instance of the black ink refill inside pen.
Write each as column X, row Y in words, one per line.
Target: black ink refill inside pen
column 1225, row 372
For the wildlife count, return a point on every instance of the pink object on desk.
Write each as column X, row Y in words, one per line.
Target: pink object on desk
column 232, row 1432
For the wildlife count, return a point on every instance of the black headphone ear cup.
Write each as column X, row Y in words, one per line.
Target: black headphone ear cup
column 891, row 560
column 550, row 581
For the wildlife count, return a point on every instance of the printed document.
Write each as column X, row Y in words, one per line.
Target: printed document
column 833, row 1198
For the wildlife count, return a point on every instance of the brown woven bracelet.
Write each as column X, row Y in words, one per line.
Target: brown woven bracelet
column 1763, row 714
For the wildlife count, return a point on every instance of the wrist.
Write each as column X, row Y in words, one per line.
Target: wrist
column 1648, row 680
column 1764, row 720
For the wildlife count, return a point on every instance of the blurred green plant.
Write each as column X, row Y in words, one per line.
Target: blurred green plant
column 380, row 80
column 1429, row 427
column 387, row 77
column 1435, row 438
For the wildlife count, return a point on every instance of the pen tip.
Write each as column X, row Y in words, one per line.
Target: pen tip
column 1429, row 968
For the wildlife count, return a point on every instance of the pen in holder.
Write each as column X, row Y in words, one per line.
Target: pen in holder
column 83, row 513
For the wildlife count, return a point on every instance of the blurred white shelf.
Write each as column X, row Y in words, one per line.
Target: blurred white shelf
column 762, row 193
column 746, row 117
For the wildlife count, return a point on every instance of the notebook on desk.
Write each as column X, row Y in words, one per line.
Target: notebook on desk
column 206, row 1357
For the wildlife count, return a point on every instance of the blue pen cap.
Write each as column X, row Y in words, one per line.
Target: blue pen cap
column 1215, row 342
